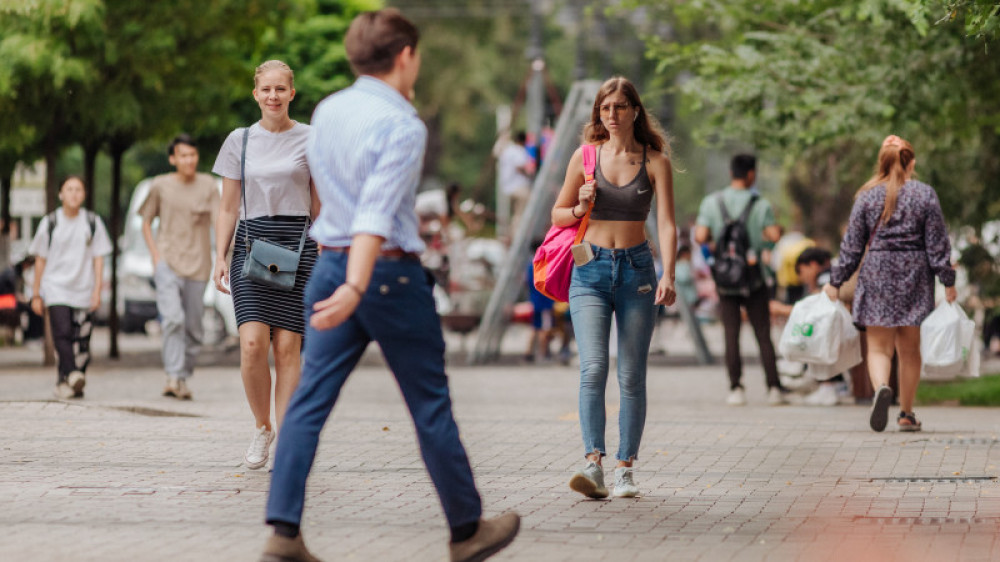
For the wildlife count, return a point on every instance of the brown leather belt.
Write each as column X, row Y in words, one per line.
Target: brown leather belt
column 393, row 253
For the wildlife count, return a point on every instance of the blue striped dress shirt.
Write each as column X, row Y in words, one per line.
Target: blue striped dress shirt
column 366, row 150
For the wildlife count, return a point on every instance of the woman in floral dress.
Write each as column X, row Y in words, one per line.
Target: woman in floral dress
column 900, row 221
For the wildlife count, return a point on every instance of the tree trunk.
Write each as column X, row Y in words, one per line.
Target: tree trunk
column 118, row 148
column 51, row 202
column 6, row 184
column 90, row 151
column 51, row 152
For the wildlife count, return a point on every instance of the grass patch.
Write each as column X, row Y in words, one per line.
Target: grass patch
column 983, row 391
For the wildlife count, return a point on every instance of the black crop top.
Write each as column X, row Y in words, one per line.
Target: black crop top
column 630, row 202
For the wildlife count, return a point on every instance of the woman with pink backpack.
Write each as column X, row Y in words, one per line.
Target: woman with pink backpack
column 613, row 271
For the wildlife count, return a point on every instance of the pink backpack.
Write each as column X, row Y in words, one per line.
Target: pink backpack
column 553, row 263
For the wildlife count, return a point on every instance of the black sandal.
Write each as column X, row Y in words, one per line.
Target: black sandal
column 880, row 408
column 912, row 424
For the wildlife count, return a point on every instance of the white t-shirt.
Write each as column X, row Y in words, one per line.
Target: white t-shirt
column 277, row 171
column 511, row 179
column 68, row 278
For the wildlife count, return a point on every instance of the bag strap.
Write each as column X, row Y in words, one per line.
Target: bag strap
column 745, row 215
column 243, row 189
column 589, row 154
column 722, row 207
column 51, row 226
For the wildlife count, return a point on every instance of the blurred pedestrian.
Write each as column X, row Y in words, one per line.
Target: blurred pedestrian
column 542, row 317
column 69, row 249
column 633, row 163
column 716, row 216
column 267, row 189
column 186, row 203
column 899, row 221
column 515, row 168
column 366, row 151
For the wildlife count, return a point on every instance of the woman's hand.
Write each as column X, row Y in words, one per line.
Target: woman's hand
column 38, row 305
column 832, row 292
column 950, row 293
column 221, row 276
column 665, row 292
column 95, row 300
column 588, row 192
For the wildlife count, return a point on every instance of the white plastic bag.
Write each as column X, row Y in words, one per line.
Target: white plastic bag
column 849, row 354
column 948, row 343
column 940, row 344
column 813, row 331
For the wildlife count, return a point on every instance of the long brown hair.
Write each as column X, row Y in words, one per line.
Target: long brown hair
column 894, row 158
column 646, row 130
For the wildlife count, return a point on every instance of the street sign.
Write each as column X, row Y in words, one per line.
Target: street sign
column 27, row 202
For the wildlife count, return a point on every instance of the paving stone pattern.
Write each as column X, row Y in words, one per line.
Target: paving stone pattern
column 127, row 475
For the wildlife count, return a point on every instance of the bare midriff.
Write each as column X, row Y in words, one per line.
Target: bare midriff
column 616, row 234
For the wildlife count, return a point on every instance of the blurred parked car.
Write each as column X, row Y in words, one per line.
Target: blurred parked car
column 136, row 289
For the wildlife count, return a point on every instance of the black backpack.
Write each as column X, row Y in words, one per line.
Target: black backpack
column 732, row 274
column 91, row 221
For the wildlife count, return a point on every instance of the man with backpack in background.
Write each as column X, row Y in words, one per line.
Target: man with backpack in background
column 739, row 225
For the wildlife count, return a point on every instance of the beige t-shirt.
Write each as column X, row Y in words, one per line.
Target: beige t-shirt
column 187, row 214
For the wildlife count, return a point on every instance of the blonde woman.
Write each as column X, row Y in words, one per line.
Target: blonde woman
column 899, row 219
column 633, row 165
column 269, row 157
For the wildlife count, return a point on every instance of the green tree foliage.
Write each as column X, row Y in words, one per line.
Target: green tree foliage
column 311, row 41
column 821, row 82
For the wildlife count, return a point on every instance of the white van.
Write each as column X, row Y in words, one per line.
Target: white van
column 136, row 292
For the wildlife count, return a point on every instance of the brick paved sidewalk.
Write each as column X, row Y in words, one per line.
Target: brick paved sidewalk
column 127, row 475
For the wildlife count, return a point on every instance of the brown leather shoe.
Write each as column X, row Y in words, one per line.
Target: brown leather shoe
column 492, row 536
column 284, row 549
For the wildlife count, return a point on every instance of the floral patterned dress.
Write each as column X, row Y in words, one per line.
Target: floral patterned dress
column 896, row 282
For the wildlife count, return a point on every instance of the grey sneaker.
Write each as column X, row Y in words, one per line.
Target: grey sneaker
column 492, row 536
column 737, row 397
column 183, row 392
column 171, row 387
column 775, row 397
column 63, row 391
column 76, row 381
column 624, row 484
column 589, row 481
column 259, row 449
column 284, row 549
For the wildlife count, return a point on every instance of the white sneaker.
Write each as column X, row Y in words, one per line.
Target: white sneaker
column 259, row 449
column 825, row 395
column 63, row 391
column 775, row 397
column 589, row 481
column 76, row 381
column 624, row 485
column 737, row 397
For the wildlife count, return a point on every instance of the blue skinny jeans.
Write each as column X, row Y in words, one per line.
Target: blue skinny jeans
column 620, row 282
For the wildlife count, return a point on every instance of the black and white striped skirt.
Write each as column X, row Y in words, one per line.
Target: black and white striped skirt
column 259, row 303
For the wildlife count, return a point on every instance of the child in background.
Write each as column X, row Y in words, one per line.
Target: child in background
column 541, row 319
column 69, row 248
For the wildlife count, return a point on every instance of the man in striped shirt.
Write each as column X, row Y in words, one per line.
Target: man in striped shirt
column 365, row 153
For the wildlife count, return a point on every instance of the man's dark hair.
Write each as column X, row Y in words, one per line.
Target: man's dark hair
column 182, row 138
column 812, row 255
column 520, row 137
column 741, row 166
column 375, row 39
